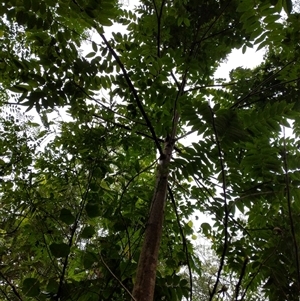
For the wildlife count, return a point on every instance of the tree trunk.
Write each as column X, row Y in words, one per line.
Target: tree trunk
column 146, row 272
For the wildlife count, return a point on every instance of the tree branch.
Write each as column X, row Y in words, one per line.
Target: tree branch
column 288, row 196
column 225, row 245
column 256, row 89
column 11, row 285
column 119, row 281
column 133, row 90
column 183, row 241
column 246, row 260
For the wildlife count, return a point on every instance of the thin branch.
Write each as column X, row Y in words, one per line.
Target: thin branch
column 217, row 33
column 183, row 241
column 256, row 89
column 125, row 127
column 212, row 24
column 121, row 198
column 5, row 294
column 225, row 245
column 73, row 231
column 119, row 281
column 134, row 92
column 158, row 16
column 109, row 109
column 255, row 194
column 187, row 134
column 132, row 179
column 256, row 273
column 211, row 86
column 16, row 228
column 42, row 219
column 11, row 285
column 246, row 260
column 265, row 89
column 288, row 196
column 208, row 194
column 175, row 80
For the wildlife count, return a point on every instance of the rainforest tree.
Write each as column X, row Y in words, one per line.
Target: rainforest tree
column 100, row 207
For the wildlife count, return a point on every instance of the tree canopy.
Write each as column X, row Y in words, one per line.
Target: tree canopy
column 101, row 207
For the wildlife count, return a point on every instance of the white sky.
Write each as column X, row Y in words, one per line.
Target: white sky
column 236, row 59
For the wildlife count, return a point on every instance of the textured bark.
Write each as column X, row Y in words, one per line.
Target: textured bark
column 146, row 272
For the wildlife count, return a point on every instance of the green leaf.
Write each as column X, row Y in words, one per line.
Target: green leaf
column 105, row 22
column 104, row 185
column 59, row 250
column 206, row 228
column 183, row 282
column 35, row 5
column 31, row 287
column 89, row 259
column 261, row 38
column 186, row 22
column 262, row 45
column 91, row 54
column 180, row 21
column 240, row 205
column 27, row 4
column 94, row 46
column 288, row 6
column 52, row 286
column 274, row 2
column 17, row 89
column 244, row 49
column 66, row 216
column 92, row 210
column 243, row 6
column 88, row 232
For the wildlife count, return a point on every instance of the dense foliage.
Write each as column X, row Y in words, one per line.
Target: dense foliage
column 77, row 196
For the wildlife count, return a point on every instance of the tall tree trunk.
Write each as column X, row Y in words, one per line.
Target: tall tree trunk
column 146, row 272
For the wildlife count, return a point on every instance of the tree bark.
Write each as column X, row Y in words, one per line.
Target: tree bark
column 146, row 272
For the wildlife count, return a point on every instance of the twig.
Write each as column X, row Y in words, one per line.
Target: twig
column 225, row 245
column 11, row 285
column 133, row 131
column 119, row 281
column 73, row 231
column 186, row 134
column 256, row 89
column 212, row 24
column 267, row 88
column 5, row 294
column 175, row 80
column 255, row 274
column 158, row 16
column 210, row 86
column 183, row 241
column 288, row 196
column 241, row 278
column 134, row 92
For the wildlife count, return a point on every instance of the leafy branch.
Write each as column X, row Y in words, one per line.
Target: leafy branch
column 133, row 90
column 226, row 210
column 288, row 196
